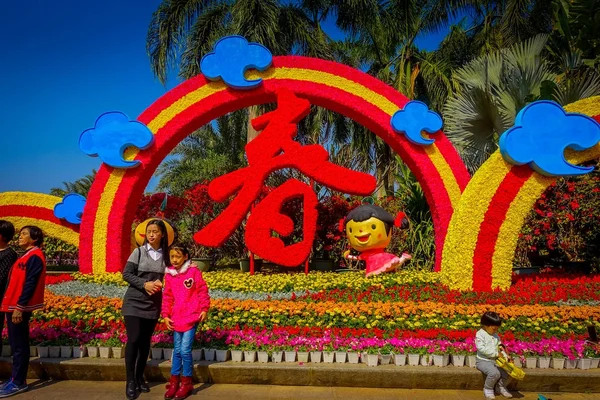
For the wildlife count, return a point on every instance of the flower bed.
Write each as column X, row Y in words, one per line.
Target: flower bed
column 406, row 311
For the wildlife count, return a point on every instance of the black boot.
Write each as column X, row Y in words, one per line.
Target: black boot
column 142, row 386
column 131, row 390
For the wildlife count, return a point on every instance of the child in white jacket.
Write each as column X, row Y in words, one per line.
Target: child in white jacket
column 488, row 342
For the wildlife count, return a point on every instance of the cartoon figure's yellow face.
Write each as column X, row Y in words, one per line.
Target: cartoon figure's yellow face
column 367, row 235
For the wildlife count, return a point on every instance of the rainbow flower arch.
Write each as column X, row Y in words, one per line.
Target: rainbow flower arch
column 111, row 203
column 483, row 233
column 23, row 208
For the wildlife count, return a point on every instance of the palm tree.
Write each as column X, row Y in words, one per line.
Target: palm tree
column 81, row 186
column 381, row 41
column 183, row 31
column 493, row 88
column 213, row 150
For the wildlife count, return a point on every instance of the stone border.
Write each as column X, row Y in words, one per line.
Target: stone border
column 309, row 374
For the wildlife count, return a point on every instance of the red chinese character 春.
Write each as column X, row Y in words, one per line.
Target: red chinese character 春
column 274, row 149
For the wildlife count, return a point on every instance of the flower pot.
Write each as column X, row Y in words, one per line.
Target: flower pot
column 385, row 359
column 320, row 264
column 105, row 351
column 471, row 361
column 363, row 357
column 237, row 355
column 400, row 359
column 66, row 351
column 33, row 351
column 372, row 360
column 42, row 351
column 303, row 356
column 277, row 356
column 458, row 360
column 79, row 351
column 245, row 265
column 530, row 362
column 168, row 353
column 54, row 351
column 250, row 356
column 557, row 363
column 440, row 360
column 584, row 363
column 595, row 363
column 209, row 354
column 570, row 364
column 203, row 263
column 425, row 360
column 353, row 357
column 340, row 357
column 157, row 353
column 92, row 351
column 290, row 356
column 518, row 363
column 6, row 351
column 263, row 357
column 413, row 359
column 544, row 362
column 328, row 356
column 222, row 355
column 315, row 356
column 118, row 352
column 196, row 354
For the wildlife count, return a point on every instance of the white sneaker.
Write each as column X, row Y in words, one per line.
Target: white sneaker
column 489, row 394
column 504, row 392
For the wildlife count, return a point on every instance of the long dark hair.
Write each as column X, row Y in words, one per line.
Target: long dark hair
column 164, row 240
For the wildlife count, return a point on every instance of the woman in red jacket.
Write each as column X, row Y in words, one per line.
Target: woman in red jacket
column 25, row 293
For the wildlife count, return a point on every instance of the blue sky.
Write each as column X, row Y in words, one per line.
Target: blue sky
column 64, row 63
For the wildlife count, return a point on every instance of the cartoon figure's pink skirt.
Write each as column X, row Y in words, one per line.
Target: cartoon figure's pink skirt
column 384, row 262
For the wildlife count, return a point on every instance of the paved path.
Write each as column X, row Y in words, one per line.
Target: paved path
column 103, row 390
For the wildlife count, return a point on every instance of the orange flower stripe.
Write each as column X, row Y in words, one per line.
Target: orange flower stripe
column 62, row 305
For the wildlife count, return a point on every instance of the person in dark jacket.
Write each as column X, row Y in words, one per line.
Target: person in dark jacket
column 144, row 271
column 24, row 294
column 7, row 258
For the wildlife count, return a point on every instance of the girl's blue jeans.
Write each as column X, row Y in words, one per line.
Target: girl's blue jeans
column 182, row 352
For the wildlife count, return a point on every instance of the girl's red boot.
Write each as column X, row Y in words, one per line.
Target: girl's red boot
column 172, row 387
column 185, row 389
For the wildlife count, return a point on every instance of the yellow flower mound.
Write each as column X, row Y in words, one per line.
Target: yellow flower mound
column 239, row 281
column 103, row 278
column 243, row 282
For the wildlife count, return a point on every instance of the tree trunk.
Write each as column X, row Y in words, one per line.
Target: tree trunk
column 251, row 133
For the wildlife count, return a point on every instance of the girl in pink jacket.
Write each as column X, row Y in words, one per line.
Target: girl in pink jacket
column 185, row 305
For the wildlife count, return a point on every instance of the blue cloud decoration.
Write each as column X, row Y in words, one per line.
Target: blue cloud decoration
column 231, row 58
column 111, row 135
column 70, row 208
column 541, row 134
column 415, row 118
